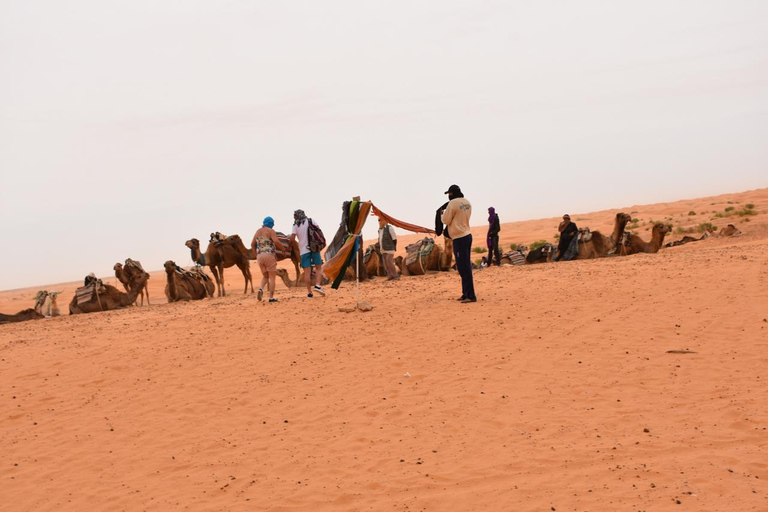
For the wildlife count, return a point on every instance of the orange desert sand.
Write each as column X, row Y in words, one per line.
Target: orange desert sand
column 555, row 391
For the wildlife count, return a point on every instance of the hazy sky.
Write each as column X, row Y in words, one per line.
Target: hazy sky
column 128, row 127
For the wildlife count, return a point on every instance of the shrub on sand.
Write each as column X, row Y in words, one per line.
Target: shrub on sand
column 479, row 250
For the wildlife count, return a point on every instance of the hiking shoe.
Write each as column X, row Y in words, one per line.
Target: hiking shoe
column 462, row 298
column 272, row 300
column 310, row 295
column 260, row 295
column 467, row 301
column 319, row 290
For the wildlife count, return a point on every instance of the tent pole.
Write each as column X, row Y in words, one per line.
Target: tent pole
column 357, row 275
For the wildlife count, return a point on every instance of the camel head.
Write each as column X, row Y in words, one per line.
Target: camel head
column 623, row 218
column 193, row 244
column 170, row 266
column 118, row 267
column 661, row 228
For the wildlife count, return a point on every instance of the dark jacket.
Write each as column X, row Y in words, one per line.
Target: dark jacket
column 567, row 235
column 494, row 228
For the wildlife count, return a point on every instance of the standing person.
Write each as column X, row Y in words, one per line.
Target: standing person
column 265, row 242
column 567, row 230
column 309, row 258
column 493, row 236
column 456, row 218
column 388, row 246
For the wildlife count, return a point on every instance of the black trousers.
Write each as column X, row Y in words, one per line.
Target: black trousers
column 462, row 251
column 494, row 249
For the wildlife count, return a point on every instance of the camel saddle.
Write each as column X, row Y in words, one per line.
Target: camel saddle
column 196, row 272
column 286, row 241
column 515, row 257
column 134, row 263
column 86, row 293
column 416, row 255
column 218, row 238
column 585, row 235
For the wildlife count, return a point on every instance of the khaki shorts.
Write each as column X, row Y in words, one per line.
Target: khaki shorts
column 267, row 262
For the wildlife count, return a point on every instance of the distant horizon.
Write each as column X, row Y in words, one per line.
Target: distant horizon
column 574, row 214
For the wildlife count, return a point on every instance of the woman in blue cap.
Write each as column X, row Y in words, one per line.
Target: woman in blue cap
column 264, row 243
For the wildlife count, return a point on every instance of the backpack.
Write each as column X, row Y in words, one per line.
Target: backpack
column 315, row 236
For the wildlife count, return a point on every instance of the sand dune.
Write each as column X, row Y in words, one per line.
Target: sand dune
column 556, row 391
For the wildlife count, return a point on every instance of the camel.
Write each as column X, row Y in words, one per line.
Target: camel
column 541, row 254
column 636, row 245
column 597, row 245
column 110, row 298
column 217, row 258
column 433, row 261
column 729, row 230
column 374, row 264
column 41, row 297
column 130, row 274
column 447, row 257
column 250, row 253
column 181, row 285
column 688, row 239
column 46, row 303
column 21, row 316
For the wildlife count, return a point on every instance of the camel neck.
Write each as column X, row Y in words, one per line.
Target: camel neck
column 171, row 285
column 197, row 256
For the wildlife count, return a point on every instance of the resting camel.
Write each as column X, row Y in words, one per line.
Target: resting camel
column 110, row 298
column 129, row 275
column 688, row 239
column 635, row 244
column 250, row 253
column 182, row 286
column 600, row 245
column 374, row 264
column 21, row 316
column 219, row 258
column 433, row 262
column 729, row 230
column 541, row 254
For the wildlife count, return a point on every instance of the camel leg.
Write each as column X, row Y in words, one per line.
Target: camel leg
column 245, row 269
column 296, row 259
column 146, row 289
column 219, row 279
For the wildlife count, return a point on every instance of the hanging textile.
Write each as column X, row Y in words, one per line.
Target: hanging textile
column 401, row 224
column 336, row 266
